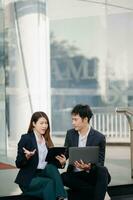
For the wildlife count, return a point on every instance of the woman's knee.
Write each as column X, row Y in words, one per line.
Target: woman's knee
column 47, row 182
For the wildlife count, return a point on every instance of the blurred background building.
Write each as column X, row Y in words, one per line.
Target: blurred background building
column 55, row 54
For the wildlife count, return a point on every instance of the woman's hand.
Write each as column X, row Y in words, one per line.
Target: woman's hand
column 62, row 159
column 28, row 153
column 81, row 165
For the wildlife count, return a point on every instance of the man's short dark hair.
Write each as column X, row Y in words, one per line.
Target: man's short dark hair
column 83, row 111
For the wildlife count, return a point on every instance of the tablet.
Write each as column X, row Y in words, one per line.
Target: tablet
column 52, row 153
column 89, row 154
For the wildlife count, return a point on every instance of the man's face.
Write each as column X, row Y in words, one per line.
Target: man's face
column 78, row 123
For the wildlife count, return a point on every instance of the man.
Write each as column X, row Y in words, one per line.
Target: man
column 86, row 175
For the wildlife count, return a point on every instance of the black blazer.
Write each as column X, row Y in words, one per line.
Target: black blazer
column 27, row 167
column 94, row 138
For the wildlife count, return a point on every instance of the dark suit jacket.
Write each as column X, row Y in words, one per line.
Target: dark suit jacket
column 27, row 167
column 94, row 138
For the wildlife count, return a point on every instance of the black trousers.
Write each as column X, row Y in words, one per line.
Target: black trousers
column 96, row 181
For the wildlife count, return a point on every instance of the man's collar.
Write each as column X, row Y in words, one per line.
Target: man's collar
column 89, row 128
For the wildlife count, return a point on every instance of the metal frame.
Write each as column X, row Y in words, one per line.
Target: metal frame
column 129, row 115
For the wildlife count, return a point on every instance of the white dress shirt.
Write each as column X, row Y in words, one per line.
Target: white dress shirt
column 82, row 143
column 83, row 139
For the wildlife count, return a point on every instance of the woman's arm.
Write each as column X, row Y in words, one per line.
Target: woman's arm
column 21, row 159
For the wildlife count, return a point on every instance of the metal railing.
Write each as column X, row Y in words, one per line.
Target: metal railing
column 110, row 123
column 106, row 120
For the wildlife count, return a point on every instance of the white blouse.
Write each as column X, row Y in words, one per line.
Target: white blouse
column 42, row 153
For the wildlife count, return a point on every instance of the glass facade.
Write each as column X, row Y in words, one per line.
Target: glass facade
column 55, row 55
column 3, row 136
column 91, row 57
column 24, row 66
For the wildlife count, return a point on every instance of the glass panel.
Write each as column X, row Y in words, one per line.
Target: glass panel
column 125, row 4
column 91, row 63
column 3, row 137
column 78, row 59
column 119, row 84
column 27, row 66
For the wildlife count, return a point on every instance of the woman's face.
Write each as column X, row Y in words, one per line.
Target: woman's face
column 41, row 125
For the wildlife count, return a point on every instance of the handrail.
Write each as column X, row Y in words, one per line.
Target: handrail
column 128, row 113
column 124, row 110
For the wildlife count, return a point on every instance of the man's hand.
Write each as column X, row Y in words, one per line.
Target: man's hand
column 28, row 153
column 62, row 159
column 81, row 165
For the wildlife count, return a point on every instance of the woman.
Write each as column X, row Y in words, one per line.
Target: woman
column 36, row 177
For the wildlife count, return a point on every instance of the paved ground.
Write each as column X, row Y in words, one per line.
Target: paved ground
column 117, row 161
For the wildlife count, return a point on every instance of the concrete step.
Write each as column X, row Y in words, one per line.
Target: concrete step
column 123, row 197
column 121, row 192
column 18, row 197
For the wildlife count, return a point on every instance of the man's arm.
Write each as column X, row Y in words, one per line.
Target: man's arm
column 102, row 146
column 67, row 144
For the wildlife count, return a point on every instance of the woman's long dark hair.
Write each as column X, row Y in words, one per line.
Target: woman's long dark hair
column 35, row 117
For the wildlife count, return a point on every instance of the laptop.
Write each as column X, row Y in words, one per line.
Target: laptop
column 89, row 154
